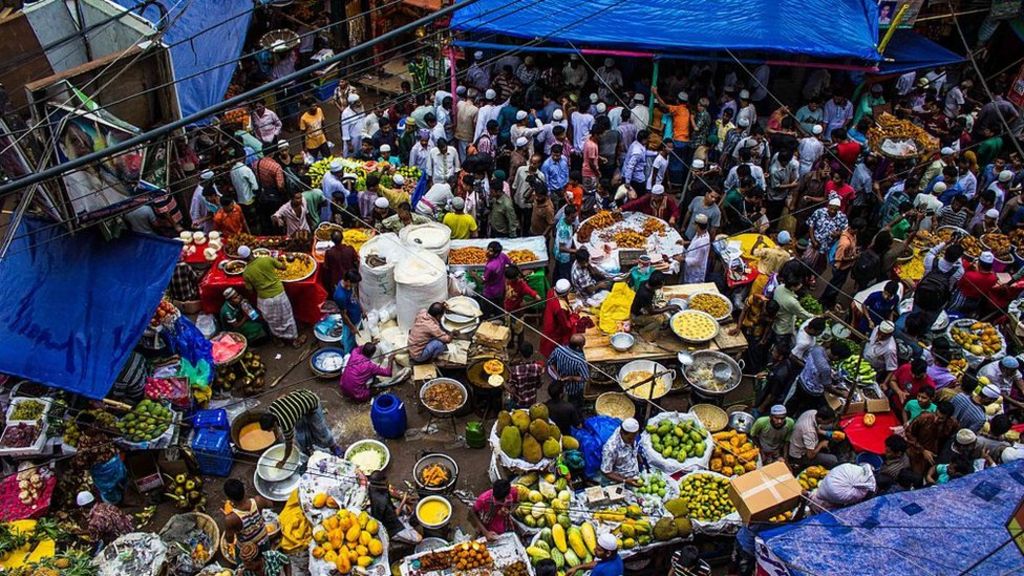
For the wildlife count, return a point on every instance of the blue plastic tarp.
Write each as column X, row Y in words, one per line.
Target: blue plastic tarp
column 821, row 29
column 72, row 308
column 206, row 38
column 909, row 50
column 939, row 530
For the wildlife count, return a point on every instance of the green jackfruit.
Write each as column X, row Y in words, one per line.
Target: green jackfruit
column 678, row 507
column 551, row 448
column 511, row 442
column 570, row 443
column 683, row 527
column 504, row 419
column 539, row 430
column 531, row 450
column 554, row 432
column 539, row 411
column 665, row 529
column 522, row 420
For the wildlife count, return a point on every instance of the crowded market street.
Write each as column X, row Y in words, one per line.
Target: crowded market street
column 421, row 288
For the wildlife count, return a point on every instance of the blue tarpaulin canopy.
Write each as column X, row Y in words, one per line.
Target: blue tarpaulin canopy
column 939, row 530
column 72, row 308
column 909, row 50
column 207, row 37
column 821, row 29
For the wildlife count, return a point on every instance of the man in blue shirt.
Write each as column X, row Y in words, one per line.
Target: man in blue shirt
column 556, row 170
column 607, row 562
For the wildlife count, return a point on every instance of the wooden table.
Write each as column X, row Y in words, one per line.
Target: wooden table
column 667, row 345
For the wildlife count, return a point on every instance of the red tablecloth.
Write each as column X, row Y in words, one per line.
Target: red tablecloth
column 306, row 295
column 198, row 257
column 869, row 439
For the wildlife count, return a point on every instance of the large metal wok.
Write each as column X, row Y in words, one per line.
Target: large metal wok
column 713, row 373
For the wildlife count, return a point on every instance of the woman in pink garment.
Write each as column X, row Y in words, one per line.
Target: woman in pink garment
column 360, row 371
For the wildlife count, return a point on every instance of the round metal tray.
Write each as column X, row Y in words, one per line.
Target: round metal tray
column 691, row 312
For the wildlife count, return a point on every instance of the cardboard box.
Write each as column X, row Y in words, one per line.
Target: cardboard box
column 875, row 401
column 765, row 492
column 857, row 404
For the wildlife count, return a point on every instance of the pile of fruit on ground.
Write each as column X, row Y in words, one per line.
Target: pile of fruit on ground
column 347, row 540
column 706, row 496
column 530, row 436
column 734, row 454
column 544, row 501
column 566, row 548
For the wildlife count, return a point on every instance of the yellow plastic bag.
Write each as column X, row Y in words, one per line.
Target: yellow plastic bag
column 295, row 529
column 615, row 308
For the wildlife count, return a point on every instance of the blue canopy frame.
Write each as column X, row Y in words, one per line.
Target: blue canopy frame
column 908, row 51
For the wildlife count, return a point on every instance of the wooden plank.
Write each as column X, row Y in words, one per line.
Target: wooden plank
column 666, row 345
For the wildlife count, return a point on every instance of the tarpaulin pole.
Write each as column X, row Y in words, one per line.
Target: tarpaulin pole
column 893, row 26
column 654, row 86
column 454, row 85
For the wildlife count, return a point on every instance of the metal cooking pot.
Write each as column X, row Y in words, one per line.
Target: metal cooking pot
column 741, row 422
column 710, row 358
column 435, row 382
column 436, row 458
column 667, row 377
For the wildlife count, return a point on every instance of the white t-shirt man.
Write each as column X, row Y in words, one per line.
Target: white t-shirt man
column 435, row 199
column 954, row 100
column 581, row 125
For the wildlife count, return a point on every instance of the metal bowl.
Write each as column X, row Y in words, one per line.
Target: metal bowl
column 741, row 421
column 622, row 341
column 267, row 470
column 667, row 378
column 431, row 543
column 435, row 382
column 429, row 460
column 436, row 525
column 317, row 360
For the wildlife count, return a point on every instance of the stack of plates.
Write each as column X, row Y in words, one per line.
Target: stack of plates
column 463, row 312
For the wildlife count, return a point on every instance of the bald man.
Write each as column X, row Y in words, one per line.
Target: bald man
column 567, row 365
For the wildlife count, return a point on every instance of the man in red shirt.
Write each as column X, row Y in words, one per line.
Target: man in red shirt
column 838, row 186
column 976, row 284
column 656, row 203
column 846, row 149
column 904, row 384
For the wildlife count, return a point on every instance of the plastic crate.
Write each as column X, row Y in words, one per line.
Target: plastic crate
column 212, row 449
column 217, row 419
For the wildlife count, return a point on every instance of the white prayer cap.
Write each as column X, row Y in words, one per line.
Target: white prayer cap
column 521, row 141
column 521, row 115
column 630, row 425
column 381, row 202
column 490, row 94
column 557, row 114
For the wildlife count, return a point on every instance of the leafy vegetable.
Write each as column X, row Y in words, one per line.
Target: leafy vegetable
column 811, row 304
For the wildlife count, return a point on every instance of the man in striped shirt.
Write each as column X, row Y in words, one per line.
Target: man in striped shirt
column 969, row 409
column 567, row 364
column 300, row 419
